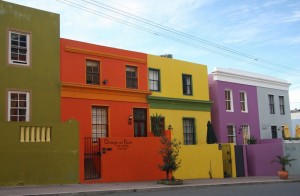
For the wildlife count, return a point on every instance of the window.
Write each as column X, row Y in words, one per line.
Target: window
column 19, row 48
column 187, row 84
column 99, row 122
column 281, row 105
column 231, row 134
column 246, row 133
column 140, row 122
column 271, row 104
column 131, row 77
column 228, row 100
column 92, row 72
column 154, row 83
column 189, row 131
column 243, row 102
column 274, row 131
column 18, row 106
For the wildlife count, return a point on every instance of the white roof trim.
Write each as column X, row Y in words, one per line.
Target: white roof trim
column 249, row 78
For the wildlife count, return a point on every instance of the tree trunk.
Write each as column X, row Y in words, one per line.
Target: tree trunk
column 167, row 173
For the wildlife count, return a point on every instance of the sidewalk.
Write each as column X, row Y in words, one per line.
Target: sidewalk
column 105, row 188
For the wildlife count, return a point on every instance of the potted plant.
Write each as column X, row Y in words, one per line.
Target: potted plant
column 283, row 161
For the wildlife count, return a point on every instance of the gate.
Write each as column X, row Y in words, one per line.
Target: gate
column 227, row 163
column 239, row 161
column 92, row 158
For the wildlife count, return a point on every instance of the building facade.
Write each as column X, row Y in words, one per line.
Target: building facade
column 251, row 111
column 234, row 110
column 34, row 144
column 106, row 90
column 180, row 95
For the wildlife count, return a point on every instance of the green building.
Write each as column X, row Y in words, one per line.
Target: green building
column 35, row 147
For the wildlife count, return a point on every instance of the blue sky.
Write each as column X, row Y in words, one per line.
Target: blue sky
column 266, row 30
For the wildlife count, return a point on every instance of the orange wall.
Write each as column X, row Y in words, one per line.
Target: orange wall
column 77, row 97
column 131, row 159
column 118, row 113
column 112, row 63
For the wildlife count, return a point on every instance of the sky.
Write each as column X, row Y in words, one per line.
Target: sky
column 260, row 36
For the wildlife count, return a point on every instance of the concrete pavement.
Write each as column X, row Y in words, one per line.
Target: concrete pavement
column 105, row 188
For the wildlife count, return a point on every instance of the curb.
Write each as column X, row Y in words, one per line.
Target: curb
column 166, row 187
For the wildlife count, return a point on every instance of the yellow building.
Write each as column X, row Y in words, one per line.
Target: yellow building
column 180, row 94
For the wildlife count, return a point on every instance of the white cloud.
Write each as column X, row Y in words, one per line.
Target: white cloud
column 295, row 17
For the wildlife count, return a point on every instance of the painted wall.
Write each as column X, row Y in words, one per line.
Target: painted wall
column 174, row 106
column 221, row 118
column 113, row 63
column 30, row 163
column 77, row 97
column 192, row 156
column 265, row 118
column 259, row 157
column 171, row 71
column 293, row 149
column 131, row 159
column 198, row 161
column 41, row 78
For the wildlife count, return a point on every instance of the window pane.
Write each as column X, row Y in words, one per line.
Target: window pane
column 189, row 131
column 92, row 72
column 19, row 48
column 18, row 110
column 99, row 122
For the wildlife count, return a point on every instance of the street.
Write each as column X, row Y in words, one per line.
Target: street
column 274, row 189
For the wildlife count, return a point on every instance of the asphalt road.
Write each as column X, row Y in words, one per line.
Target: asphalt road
column 275, row 189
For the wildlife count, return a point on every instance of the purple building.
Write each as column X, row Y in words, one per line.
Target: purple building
column 234, row 110
column 239, row 113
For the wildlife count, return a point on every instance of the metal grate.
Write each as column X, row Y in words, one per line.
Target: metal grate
column 92, row 158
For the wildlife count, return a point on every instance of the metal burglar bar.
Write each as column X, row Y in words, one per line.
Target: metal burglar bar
column 92, row 155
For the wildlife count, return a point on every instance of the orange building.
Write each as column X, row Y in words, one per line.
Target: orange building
column 106, row 90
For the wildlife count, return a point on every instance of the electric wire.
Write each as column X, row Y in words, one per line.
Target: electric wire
column 236, row 55
column 192, row 37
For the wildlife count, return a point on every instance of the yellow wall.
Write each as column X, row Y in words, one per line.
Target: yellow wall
column 174, row 118
column 198, row 161
column 171, row 71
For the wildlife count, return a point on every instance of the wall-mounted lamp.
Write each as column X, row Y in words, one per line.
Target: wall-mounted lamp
column 170, row 127
column 130, row 119
column 279, row 128
column 104, row 81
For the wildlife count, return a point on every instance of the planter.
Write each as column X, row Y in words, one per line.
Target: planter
column 170, row 182
column 283, row 174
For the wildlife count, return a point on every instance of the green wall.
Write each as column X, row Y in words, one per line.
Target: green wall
column 27, row 163
column 23, row 163
column 42, row 78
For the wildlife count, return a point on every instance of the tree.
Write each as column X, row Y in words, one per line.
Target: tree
column 170, row 153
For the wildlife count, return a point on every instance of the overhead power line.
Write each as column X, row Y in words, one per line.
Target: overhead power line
column 93, row 6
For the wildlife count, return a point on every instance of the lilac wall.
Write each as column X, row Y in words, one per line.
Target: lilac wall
column 259, row 157
column 221, row 119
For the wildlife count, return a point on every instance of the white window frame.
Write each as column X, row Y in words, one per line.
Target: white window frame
column 10, row 107
column 233, row 136
column 99, row 122
column 154, row 79
column 229, row 100
column 271, row 103
column 19, row 62
column 244, row 102
column 281, row 105
column 246, row 133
